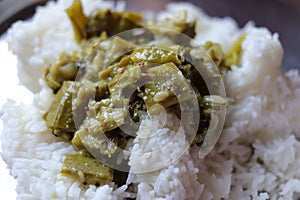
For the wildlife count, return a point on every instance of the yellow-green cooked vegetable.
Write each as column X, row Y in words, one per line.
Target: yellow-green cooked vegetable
column 87, row 170
column 154, row 55
column 214, row 51
column 94, row 140
column 59, row 117
column 108, row 86
column 86, row 92
column 64, row 68
column 108, row 21
column 168, row 83
column 233, row 55
column 102, row 117
column 112, row 22
column 78, row 19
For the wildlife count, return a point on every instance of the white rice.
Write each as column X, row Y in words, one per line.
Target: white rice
column 257, row 156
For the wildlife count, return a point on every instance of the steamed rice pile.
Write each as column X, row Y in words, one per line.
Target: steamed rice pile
column 257, row 156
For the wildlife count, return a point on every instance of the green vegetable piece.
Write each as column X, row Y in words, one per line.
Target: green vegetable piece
column 126, row 80
column 118, row 48
column 215, row 52
column 136, row 107
column 76, row 140
column 91, row 137
column 78, row 19
column 59, row 117
column 169, row 84
column 154, row 55
column 233, row 55
column 64, row 68
column 213, row 102
column 108, row 73
column 87, row 170
column 102, row 116
column 86, row 92
column 203, row 62
column 109, row 113
column 112, row 22
column 173, row 90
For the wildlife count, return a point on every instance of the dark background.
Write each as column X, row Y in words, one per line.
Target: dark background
column 281, row 16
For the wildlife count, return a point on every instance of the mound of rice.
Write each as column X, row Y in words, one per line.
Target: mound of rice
column 257, row 156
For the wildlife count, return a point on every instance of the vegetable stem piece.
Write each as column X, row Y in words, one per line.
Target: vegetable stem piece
column 78, row 19
column 88, row 170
